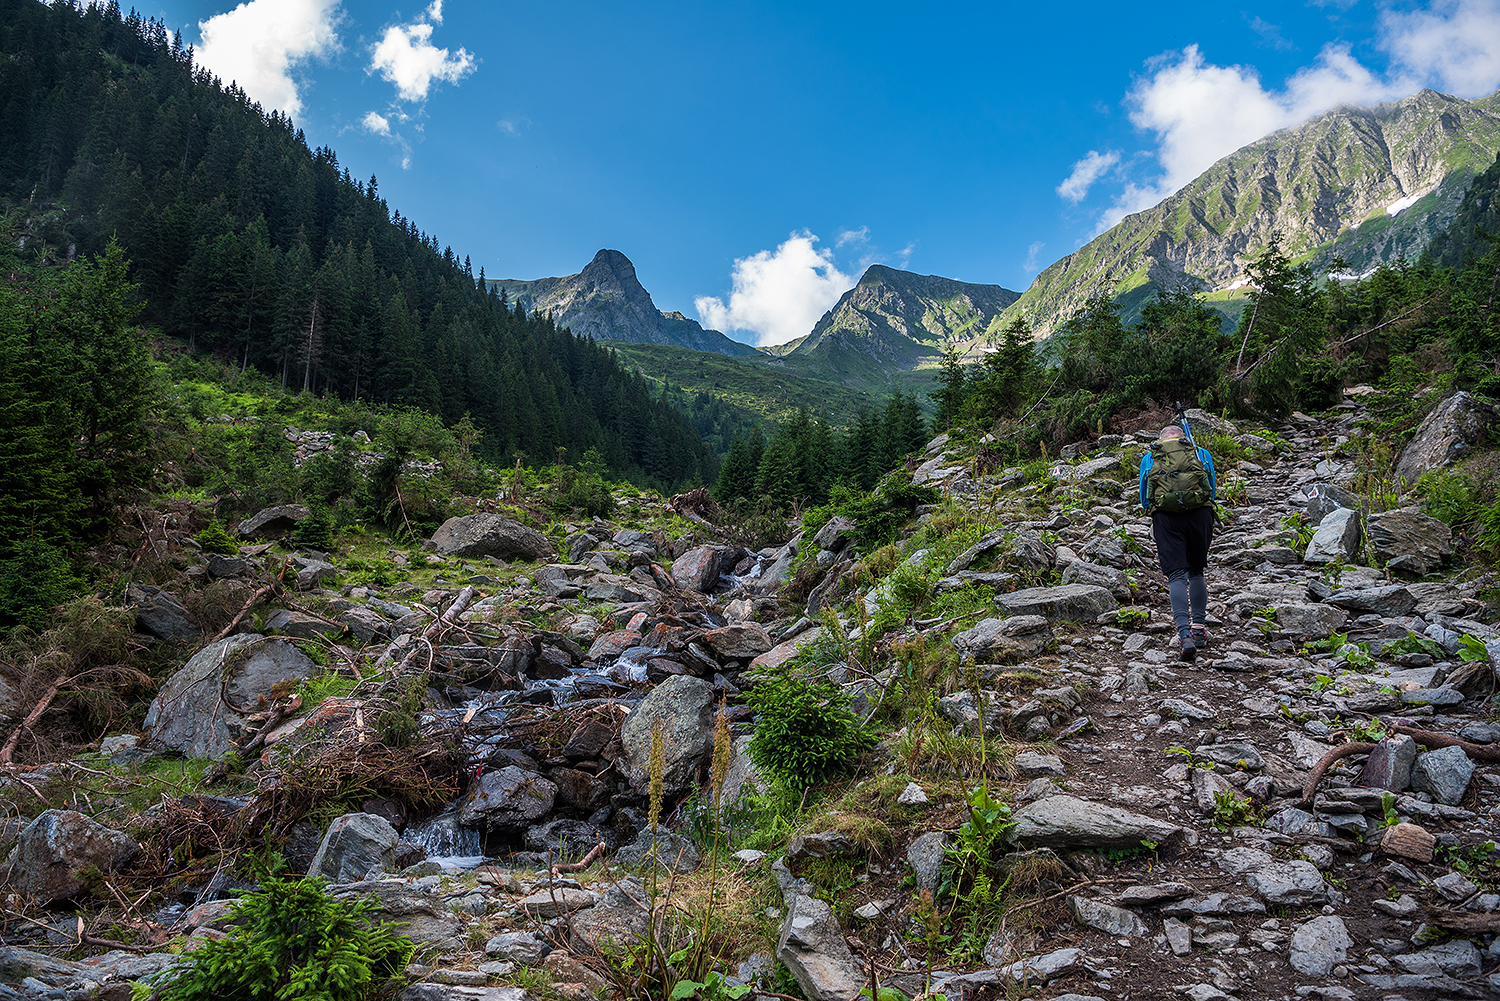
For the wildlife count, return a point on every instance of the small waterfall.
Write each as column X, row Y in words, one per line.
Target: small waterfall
column 448, row 842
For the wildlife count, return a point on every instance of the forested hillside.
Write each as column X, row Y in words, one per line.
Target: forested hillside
column 250, row 245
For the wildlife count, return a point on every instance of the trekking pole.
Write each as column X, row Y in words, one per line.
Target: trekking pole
column 1187, row 428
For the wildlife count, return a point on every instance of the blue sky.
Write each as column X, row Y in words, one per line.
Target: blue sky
column 753, row 158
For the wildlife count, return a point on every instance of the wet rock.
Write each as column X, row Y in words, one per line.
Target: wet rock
column 1445, row 773
column 684, row 706
column 159, row 613
column 356, row 845
column 54, row 850
column 1000, row 640
column 478, row 535
column 1337, row 538
column 1317, row 946
column 813, row 949
column 698, row 569
column 608, row 646
column 568, row 839
column 1422, row 544
column 1455, row 426
column 507, row 799
column 1069, row 822
column 272, row 522
column 188, row 714
column 1073, row 602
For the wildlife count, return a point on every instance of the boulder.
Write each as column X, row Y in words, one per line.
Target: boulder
column 1075, row 602
column 967, row 558
column 1310, row 622
column 54, row 850
column 1336, row 540
column 926, row 855
column 738, row 641
column 1113, row 921
column 273, row 522
column 672, row 852
column 618, row 590
column 813, row 948
column 834, row 534
column 1390, row 601
column 1455, row 426
column 356, row 845
column 1096, row 575
column 1319, row 945
column 462, row 992
column 1322, row 499
column 480, row 535
column 783, row 652
column 507, row 799
column 300, row 625
column 160, row 614
column 1062, row 822
column 1445, row 773
column 1028, row 552
column 685, row 707
column 697, row 569
column 523, row 947
column 999, row 640
column 188, row 714
column 1390, row 763
column 1422, row 544
column 617, row 923
column 422, row 915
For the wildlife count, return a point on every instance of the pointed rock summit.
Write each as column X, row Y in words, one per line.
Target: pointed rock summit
column 607, row 301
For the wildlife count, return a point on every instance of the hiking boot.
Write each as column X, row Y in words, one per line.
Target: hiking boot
column 1199, row 635
column 1186, row 649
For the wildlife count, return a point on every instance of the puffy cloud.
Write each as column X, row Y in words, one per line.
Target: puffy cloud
column 406, row 57
column 778, row 295
column 1200, row 112
column 258, row 43
column 1085, row 173
column 376, row 123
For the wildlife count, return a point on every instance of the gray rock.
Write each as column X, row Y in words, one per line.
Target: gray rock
column 1310, row 622
column 54, row 850
column 834, row 534
column 1321, row 499
column 671, row 852
column 160, row 614
column 272, row 522
column 429, row 991
column 522, row 947
column 1458, row 958
column 507, row 799
column 1095, row 575
column 619, row 921
column 555, row 901
column 813, row 949
column 1454, row 427
column 1111, row 920
column 1317, row 946
column 1295, row 884
column 1390, row 601
column 1336, row 539
column 1389, row 765
column 685, row 707
column 1455, row 886
column 697, row 569
column 188, row 714
column 478, row 535
column 1069, row 822
column 738, row 641
column 1440, row 696
column 1074, row 602
column 300, row 625
column 1033, row 765
column 1445, row 773
column 925, row 856
column 970, row 556
column 1233, row 753
column 1422, row 543
column 912, row 795
column 999, row 640
column 1179, row 936
column 356, row 845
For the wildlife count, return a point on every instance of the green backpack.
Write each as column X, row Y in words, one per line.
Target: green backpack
column 1178, row 480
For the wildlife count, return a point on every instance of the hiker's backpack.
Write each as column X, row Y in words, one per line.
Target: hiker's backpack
column 1178, row 480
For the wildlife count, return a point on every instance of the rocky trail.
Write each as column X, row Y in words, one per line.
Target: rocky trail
column 1199, row 830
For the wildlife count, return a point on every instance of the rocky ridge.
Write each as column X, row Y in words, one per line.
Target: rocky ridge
column 1367, row 184
column 1200, row 836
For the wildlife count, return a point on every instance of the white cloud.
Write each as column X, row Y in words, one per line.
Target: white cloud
column 258, row 43
column 855, row 236
column 1085, row 173
column 1031, row 257
column 1270, row 34
column 406, row 57
column 376, row 123
column 1200, row 112
column 778, row 295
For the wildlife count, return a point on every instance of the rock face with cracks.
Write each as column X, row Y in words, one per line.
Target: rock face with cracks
column 684, row 706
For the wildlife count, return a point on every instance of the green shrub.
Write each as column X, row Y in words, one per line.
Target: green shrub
column 35, row 580
column 315, row 531
column 293, row 943
column 805, row 731
column 1449, row 497
column 214, row 539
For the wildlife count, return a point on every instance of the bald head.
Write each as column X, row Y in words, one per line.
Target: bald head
column 1170, row 431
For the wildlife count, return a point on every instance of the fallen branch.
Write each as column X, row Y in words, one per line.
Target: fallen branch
column 1310, row 787
column 583, row 863
column 1476, row 752
column 253, row 600
column 1464, row 921
column 9, row 749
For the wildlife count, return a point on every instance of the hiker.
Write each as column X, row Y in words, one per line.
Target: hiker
column 1179, row 489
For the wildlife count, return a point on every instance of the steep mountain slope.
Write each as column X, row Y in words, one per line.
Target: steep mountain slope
column 1366, row 184
column 892, row 320
column 1474, row 228
column 607, row 301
